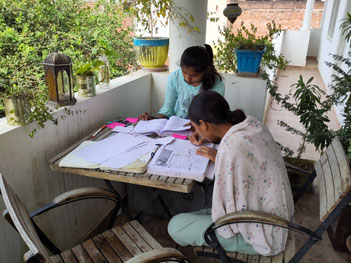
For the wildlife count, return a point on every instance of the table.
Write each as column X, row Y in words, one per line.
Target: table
column 162, row 182
column 156, row 182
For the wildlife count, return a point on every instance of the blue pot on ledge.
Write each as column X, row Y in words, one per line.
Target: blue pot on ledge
column 249, row 61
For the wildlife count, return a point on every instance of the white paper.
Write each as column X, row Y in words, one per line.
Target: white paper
column 121, row 129
column 128, row 157
column 150, row 127
column 179, row 159
column 210, row 171
column 105, row 149
column 176, row 124
column 161, row 126
column 73, row 160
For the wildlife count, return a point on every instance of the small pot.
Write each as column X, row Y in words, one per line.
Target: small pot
column 86, row 85
column 17, row 110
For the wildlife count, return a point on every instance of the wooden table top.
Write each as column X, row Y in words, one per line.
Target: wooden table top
column 157, row 181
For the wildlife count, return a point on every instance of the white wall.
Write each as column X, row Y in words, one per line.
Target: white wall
column 24, row 162
column 295, row 46
column 179, row 37
column 248, row 94
column 212, row 33
column 334, row 45
column 313, row 46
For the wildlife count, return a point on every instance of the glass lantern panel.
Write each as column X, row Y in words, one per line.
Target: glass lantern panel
column 50, row 83
column 63, row 86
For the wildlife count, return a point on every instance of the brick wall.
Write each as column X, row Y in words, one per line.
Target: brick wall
column 289, row 14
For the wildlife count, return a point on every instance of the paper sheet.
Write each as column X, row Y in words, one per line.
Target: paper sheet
column 73, row 160
column 105, row 149
column 179, row 159
column 120, row 129
column 176, row 124
column 150, row 127
column 129, row 157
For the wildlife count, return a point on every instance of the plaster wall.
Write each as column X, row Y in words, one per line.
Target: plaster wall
column 313, row 45
column 332, row 45
column 248, row 94
column 180, row 38
column 24, row 163
column 295, row 46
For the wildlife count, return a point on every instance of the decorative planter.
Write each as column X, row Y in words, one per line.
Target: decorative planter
column 17, row 110
column 248, row 61
column 151, row 52
column 86, row 85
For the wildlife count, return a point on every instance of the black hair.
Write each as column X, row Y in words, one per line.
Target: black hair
column 201, row 59
column 210, row 106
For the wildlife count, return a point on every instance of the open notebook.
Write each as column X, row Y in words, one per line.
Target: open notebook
column 162, row 126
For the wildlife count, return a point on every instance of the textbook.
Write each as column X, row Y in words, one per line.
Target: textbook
column 179, row 159
column 162, row 126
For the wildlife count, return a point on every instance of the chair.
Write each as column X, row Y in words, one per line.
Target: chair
column 334, row 179
column 129, row 242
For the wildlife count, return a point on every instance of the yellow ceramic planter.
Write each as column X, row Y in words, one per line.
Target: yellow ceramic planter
column 151, row 52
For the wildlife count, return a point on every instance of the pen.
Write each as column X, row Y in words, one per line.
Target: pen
column 99, row 130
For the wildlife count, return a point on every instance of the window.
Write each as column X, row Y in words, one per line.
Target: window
column 332, row 22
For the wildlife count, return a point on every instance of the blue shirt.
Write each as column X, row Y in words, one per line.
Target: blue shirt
column 179, row 94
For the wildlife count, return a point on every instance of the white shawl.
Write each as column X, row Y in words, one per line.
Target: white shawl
column 250, row 174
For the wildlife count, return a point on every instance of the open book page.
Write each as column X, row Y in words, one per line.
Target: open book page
column 175, row 124
column 179, row 159
column 150, row 127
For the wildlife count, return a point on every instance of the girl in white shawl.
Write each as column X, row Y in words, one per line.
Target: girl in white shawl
column 249, row 175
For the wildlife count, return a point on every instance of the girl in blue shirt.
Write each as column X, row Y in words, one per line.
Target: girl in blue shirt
column 196, row 73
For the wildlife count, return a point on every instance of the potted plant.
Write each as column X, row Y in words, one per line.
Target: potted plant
column 152, row 51
column 244, row 51
column 85, row 74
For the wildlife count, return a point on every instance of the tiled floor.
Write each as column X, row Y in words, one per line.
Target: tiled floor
column 307, row 208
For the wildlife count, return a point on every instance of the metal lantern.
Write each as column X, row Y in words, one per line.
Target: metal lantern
column 232, row 11
column 59, row 79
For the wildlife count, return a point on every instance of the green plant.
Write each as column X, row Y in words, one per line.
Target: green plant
column 31, row 30
column 89, row 68
column 149, row 12
column 304, row 101
column 246, row 38
column 312, row 111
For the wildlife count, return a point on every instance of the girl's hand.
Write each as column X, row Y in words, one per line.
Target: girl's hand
column 209, row 153
column 145, row 117
column 195, row 139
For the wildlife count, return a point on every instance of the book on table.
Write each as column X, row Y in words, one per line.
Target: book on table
column 163, row 126
column 179, row 159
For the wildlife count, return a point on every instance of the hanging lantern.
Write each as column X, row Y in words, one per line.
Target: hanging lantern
column 59, row 79
column 232, row 11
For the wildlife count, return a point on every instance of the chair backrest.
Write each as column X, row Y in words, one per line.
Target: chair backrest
column 22, row 221
column 334, row 177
